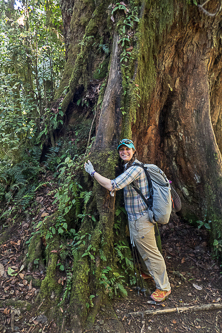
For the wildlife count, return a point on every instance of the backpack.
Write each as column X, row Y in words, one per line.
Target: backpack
column 159, row 201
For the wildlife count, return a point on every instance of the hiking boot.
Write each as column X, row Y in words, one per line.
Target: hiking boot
column 145, row 276
column 160, row 295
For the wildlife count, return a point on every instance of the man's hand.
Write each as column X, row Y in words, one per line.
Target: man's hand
column 89, row 167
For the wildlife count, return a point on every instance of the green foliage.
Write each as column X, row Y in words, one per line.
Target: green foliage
column 31, row 59
column 126, row 28
column 90, row 304
column 19, row 182
column 102, row 70
column 217, row 245
column 205, row 224
column 125, row 260
column 68, row 288
column 69, row 193
column 113, row 282
column 154, row 27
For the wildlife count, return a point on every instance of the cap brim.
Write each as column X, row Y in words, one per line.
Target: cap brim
column 129, row 145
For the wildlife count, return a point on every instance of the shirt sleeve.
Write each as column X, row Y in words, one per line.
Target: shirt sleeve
column 126, row 178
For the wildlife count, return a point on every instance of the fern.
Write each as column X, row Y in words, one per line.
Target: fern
column 18, row 181
column 67, row 288
column 121, row 289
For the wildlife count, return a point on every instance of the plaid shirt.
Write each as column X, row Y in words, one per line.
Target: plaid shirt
column 134, row 204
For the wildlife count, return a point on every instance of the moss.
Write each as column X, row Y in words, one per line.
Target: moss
column 101, row 70
column 80, row 289
column 34, row 250
column 35, row 282
column 50, row 284
column 152, row 31
column 22, row 305
column 80, row 68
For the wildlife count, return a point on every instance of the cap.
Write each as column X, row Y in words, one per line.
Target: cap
column 126, row 142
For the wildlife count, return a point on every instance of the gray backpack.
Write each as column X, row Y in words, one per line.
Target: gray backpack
column 159, row 201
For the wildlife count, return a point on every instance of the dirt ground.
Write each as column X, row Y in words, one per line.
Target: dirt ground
column 195, row 280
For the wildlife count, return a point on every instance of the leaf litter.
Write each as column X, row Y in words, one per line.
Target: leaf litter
column 195, row 279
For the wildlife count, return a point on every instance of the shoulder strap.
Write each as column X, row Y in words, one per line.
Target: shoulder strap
column 149, row 201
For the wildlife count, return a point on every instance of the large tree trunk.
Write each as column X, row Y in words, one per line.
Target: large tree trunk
column 168, row 87
column 179, row 135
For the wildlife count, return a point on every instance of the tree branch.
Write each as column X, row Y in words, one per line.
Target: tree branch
column 204, row 307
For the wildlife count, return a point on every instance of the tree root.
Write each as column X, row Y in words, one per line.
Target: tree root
column 204, row 307
column 16, row 304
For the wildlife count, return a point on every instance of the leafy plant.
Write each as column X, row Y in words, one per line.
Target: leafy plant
column 31, row 59
column 113, row 282
column 204, row 223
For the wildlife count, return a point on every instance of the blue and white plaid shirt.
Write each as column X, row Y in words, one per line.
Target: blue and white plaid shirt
column 134, row 204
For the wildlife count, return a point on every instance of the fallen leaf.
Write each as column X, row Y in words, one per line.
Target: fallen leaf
column 6, row 311
column 30, row 285
column 54, row 251
column 129, row 49
column 197, row 287
column 2, row 271
column 21, row 275
column 174, row 321
column 21, row 268
column 11, row 271
column 44, row 214
column 183, row 260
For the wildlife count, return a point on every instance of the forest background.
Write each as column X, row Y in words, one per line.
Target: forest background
column 76, row 77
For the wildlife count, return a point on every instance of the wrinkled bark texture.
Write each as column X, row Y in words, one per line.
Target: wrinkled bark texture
column 183, row 130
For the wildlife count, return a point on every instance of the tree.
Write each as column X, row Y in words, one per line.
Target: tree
column 32, row 55
column 157, row 68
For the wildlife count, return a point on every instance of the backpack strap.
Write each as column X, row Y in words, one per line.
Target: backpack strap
column 149, row 201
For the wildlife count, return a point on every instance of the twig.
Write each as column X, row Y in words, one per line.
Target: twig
column 205, row 307
column 143, row 329
column 30, row 329
column 63, row 322
column 40, row 305
column 197, row 263
column 203, row 4
column 12, row 320
column 216, row 324
column 206, row 12
column 90, row 131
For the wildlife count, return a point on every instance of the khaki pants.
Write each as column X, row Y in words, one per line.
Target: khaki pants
column 143, row 236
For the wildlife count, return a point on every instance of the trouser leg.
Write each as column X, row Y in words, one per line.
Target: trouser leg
column 145, row 241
